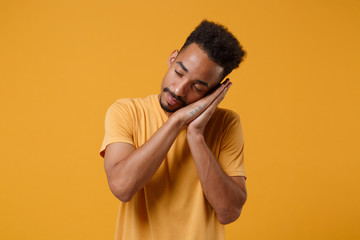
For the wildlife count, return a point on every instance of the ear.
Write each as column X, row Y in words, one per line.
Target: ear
column 172, row 57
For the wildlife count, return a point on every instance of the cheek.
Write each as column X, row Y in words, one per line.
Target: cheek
column 194, row 97
column 166, row 80
column 201, row 94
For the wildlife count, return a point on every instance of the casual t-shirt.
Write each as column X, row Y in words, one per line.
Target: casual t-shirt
column 172, row 205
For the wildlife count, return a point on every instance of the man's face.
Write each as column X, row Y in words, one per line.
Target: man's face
column 190, row 76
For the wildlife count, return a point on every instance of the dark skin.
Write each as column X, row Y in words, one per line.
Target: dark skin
column 190, row 93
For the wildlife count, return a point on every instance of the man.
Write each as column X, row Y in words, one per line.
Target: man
column 175, row 160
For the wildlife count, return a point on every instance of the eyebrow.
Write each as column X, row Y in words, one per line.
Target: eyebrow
column 202, row 83
column 197, row 80
column 182, row 66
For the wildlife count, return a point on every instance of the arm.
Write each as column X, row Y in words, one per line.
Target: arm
column 225, row 194
column 129, row 169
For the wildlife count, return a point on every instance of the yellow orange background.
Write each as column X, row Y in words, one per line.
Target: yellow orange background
column 62, row 63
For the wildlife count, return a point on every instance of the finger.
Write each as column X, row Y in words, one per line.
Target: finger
column 196, row 108
column 226, row 81
column 212, row 96
column 209, row 111
column 222, row 94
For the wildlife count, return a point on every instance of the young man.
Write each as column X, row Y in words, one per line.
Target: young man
column 175, row 160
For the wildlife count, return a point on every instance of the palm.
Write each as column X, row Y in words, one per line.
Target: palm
column 198, row 124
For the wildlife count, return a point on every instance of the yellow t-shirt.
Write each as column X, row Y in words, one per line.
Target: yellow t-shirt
column 172, row 205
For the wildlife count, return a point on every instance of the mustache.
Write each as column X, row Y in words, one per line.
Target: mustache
column 175, row 96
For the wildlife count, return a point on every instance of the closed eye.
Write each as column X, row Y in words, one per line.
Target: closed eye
column 177, row 73
column 197, row 89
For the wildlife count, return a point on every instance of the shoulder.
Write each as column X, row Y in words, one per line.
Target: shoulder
column 122, row 102
column 130, row 104
column 223, row 121
column 225, row 116
column 119, row 107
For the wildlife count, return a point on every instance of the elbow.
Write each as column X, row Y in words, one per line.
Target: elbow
column 123, row 196
column 121, row 191
column 229, row 216
column 231, row 213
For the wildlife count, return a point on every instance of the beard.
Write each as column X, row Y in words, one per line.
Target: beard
column 166, row 109
column 178, row 98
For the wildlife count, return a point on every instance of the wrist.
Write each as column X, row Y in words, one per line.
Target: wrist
column 177, row 120
column 194, row 134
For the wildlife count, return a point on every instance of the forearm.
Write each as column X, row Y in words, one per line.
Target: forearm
column 223, row 194
column 133, row 172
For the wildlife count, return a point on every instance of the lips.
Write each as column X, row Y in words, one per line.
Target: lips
column 171, row 100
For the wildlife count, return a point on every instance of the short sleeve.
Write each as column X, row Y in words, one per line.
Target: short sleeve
column 231, row 157
column 118, row 125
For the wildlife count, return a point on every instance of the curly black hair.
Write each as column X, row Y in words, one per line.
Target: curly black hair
column 219, row 44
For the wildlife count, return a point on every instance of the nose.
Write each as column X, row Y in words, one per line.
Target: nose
column 181, row 88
